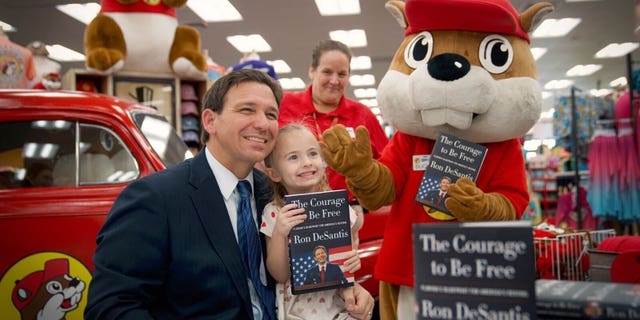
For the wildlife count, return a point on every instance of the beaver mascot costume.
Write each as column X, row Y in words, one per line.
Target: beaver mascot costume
column 464, row 68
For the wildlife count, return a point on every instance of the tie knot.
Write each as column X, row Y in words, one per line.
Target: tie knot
column 244, row 187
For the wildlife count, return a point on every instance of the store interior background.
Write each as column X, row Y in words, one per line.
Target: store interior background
column 293, row 27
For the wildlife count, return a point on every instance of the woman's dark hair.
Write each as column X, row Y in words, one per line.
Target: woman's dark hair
column 215, row 97
column 328, row 45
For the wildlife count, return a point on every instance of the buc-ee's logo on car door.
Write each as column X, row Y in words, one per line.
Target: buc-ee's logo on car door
column 44, row 286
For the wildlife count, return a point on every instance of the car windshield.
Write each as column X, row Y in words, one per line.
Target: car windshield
column 162, row 137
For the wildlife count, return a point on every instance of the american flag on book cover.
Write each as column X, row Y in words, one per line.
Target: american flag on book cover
column 427, row 184
column 304, row 262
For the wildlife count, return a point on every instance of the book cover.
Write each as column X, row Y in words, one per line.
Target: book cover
column 319, row 245
column 479, row 270
column 564, row 299
column 451, row 158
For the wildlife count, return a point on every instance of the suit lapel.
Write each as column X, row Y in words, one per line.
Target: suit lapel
column 214, row 217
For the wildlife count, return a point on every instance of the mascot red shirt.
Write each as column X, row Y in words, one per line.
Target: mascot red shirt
column 464, row 68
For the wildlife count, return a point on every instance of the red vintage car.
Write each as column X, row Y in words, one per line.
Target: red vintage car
column 64, row 158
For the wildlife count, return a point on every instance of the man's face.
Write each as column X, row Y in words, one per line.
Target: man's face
column 320, row 256
column 444, row 185
column 244, row 132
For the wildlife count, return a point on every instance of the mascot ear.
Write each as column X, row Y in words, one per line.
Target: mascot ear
column 396, row 8
column 534, row 14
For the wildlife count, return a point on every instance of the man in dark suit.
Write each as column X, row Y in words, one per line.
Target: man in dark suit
column 169, row 248
column 323, row 272
column 438, row 196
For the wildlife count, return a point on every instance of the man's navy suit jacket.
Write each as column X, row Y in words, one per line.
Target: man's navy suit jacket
column 333, row 273
column 168, row 250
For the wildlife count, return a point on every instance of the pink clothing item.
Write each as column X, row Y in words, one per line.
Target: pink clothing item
column 503, row 171
column 16, row 65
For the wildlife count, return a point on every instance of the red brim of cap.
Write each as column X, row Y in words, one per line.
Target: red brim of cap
column 491, row 16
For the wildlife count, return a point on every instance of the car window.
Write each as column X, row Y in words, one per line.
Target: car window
column 46, row 153
column 162, row 137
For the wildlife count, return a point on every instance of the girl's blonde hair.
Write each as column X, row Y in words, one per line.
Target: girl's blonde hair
column 279, row 189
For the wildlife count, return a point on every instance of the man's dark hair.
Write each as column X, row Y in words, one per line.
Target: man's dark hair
column 215, row 97
column 328, row 45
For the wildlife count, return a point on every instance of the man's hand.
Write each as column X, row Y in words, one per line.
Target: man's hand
column 358, row 301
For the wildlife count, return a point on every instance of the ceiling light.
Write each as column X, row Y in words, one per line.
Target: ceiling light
column 40, row 150
column 620, row 82
column 600, row 92
column 249, row 43
column 615, row 50
column 365, row 93
column 64, row 54
column 361, row 63
column 7, row 27
column 214, row 10
column 547, row 114
column 551, row 28
column 369, row 102
column 538, row 52
column 83, row 12
column 357, row 80
column 291, row 83
column 558, row 84
column 583, row 70
column 338, row 7
column 355, row 38
column 279, row 66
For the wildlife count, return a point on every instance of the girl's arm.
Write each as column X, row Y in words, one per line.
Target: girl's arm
column 278, row 243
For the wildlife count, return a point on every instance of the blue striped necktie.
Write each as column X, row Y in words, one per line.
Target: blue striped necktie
column 251, row 251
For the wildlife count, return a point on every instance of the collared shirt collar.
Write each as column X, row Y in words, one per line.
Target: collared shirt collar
column 227, row 181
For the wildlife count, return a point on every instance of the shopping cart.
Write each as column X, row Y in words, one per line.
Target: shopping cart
column 565, row 256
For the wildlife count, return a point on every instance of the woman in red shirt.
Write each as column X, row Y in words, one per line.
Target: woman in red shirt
column 324, row 104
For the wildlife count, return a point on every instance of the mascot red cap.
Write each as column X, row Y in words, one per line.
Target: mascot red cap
column 33, row 281
column 496, row 16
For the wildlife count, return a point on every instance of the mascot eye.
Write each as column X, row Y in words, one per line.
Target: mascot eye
column 419, row 50
column 496, row 53
column 54, row 287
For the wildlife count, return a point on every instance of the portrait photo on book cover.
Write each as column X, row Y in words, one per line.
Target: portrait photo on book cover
column 432, row 193
column 320, row 269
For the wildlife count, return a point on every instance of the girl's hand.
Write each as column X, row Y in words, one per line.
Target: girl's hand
column 288, row 217
column 352, row 264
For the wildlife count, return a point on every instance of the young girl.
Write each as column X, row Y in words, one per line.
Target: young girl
column 296, row 166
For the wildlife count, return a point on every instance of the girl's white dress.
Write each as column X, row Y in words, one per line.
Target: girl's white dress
column 320, row 305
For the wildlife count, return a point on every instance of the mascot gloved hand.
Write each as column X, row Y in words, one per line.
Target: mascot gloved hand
column 368, row 179
column 464, row 68
column 466, row 202
column 143, row 36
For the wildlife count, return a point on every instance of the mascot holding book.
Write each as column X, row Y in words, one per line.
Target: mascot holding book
column 464, row 68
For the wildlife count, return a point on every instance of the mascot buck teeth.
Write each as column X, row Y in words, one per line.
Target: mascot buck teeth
column 145, row 34
column 465, row 69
